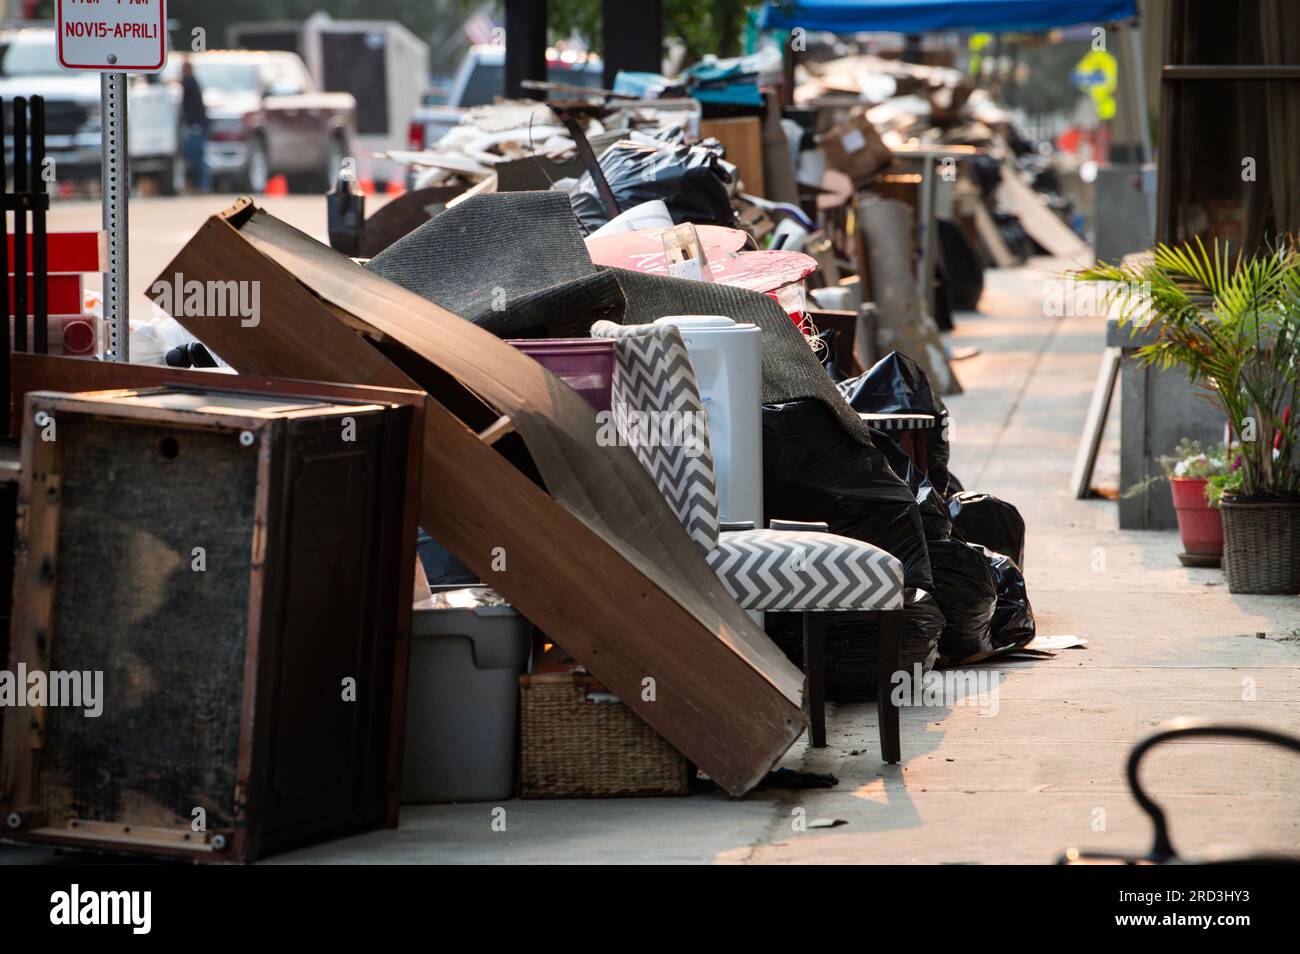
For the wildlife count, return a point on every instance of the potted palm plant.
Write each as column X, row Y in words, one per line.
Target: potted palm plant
column 1233, row 324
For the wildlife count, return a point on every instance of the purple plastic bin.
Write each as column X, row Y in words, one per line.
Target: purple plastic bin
column 584, row 364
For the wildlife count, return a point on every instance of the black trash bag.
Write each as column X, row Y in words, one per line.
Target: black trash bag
column 814, row 470
column 852, row 647
column 989, row 521
column 934, row 509
column 826, row 353
column 897, row 385
column 689, row 179
column 893, row 385
column 937, row 453
column 1013, row 618
column 967, row 594
column 962, row 269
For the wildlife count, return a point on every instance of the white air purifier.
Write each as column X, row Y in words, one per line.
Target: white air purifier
column 728, row 367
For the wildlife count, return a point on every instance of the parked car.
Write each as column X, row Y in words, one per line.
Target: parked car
column 268, row 118
column 380, row 62
column 480, row 79
column 72, row 122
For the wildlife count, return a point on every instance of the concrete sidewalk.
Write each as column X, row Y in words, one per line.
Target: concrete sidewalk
column 1045, row 772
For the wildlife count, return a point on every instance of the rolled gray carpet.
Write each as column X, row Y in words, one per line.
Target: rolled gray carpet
column 511, row 262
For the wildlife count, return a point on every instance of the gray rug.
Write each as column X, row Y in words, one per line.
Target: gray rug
column 513, row 263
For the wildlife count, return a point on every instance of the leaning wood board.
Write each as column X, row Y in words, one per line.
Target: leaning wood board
column 1094, row 425
column 32, row 372
column 601, row 563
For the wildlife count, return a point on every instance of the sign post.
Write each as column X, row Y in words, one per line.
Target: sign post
column 113, row 38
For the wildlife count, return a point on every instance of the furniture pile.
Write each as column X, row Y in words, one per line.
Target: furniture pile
column 676, row 485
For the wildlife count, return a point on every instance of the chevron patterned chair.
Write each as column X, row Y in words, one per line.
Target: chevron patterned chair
column 789, row 567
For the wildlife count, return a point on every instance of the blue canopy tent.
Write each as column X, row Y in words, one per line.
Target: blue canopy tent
column 924, row 16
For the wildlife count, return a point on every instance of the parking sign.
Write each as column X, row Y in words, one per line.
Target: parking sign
column 112, row 36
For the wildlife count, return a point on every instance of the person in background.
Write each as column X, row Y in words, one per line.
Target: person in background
column 195, row 117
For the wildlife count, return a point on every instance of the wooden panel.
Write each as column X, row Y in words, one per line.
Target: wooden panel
column 743, row 139
column 610, row 574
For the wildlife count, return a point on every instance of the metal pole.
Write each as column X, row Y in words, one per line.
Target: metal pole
column 1140, row 88
column 40, row 275
column 525, row 46
column 21, row 187
column 925, row 270
column 5, row 357
column 116, row 187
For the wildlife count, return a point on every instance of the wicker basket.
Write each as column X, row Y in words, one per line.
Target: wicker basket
column 572, row 746
column 1261, row 546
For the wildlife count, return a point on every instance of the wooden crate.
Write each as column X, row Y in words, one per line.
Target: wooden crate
column 230, row 562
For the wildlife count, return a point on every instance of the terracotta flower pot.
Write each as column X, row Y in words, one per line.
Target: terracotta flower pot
column 1199, row 524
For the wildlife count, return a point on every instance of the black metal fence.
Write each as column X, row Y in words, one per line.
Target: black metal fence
column 22, row 171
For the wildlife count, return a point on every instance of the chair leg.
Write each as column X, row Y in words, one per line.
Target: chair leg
column 888, row 664
column 814, row 665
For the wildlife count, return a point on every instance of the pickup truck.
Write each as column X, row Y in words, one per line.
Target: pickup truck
column 29, row 67
column 268, row 118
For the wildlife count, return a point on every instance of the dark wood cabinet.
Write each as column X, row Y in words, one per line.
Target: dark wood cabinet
column 228, row 567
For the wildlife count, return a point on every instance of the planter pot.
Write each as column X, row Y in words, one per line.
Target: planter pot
column 1199, row 524
column 1261, row 546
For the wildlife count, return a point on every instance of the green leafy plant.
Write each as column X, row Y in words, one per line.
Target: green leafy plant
column 1234, row 326
column 1189, row 460
column 1220, row 484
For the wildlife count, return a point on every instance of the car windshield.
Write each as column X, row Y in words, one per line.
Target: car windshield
column 227, row 76
column 30, row 56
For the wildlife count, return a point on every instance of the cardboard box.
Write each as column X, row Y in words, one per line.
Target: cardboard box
column 855, row 148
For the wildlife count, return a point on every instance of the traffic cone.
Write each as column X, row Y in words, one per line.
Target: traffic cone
column 395, row 187
column 277, row 185
column 367, row 186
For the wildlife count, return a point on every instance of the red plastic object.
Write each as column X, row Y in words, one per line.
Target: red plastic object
column 63, row 294
column 585, row 364
column 65, row 252
column 1199, row 524
column 78, row 336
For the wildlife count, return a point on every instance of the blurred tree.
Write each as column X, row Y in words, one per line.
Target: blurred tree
column 713, row 27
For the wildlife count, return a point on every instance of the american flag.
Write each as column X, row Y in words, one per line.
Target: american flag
column 479, row 29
